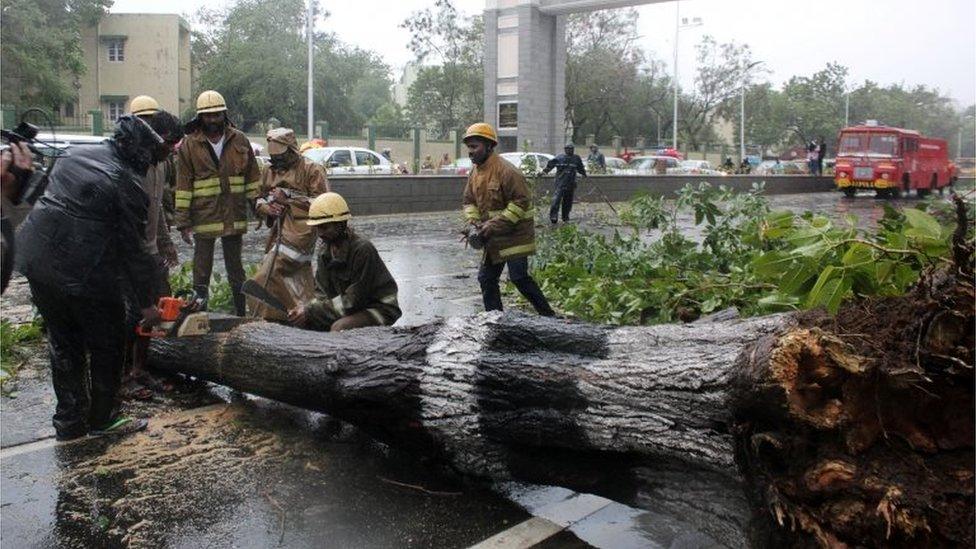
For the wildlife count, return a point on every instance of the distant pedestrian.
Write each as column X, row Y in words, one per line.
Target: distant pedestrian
column 812, row 155
column 596, row 161
column 445, row 162
column 821, row 153
column 567, row 165
column 728, row 166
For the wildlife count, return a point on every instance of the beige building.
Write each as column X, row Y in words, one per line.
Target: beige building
column 131, row 54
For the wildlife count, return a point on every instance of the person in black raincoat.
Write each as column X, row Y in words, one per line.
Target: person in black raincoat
column 567, row 165
column 86, row 234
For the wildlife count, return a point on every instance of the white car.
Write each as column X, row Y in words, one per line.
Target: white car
column 652, row 164
column 694, row 167
column 615, row 164
column 535, row 162
column 350, row 161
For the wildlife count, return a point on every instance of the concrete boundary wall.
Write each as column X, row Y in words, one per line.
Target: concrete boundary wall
column 378, row 195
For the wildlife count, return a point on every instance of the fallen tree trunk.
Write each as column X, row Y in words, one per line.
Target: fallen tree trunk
column 849, row 430
column 820, row 432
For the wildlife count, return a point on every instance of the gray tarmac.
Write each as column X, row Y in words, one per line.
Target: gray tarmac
column 221, row 469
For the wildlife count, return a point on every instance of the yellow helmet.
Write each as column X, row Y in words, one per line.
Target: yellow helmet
column 481, row 129
column 328, row 208
column 210, row 101
column 144, row 105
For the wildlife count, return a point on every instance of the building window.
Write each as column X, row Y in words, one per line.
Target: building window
column 115, row 110
column 508, row 115
column 69, row 110
column 116, row 50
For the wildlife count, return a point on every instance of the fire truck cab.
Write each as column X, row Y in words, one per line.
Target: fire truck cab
column 891, row 161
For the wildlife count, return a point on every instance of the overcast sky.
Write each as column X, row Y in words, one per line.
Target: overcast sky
column 905, row 41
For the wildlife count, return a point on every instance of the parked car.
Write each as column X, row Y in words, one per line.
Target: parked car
column 780, row 167
column 615, row 164
column 534, row 162
column 652, row 164
column 461, row 166
column 694, row 167
column 350, row 161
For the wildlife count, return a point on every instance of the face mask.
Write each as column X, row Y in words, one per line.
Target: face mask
column 281, row 161
column 213, row 127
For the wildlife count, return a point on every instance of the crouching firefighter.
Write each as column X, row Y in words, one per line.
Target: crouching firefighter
column 498, row 209
column 287, row 189
column 353, row 287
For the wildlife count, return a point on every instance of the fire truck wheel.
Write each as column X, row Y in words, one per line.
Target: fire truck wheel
column 849, row 192
column 922, row 193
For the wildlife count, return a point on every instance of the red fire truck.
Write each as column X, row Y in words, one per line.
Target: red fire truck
column 891, row 161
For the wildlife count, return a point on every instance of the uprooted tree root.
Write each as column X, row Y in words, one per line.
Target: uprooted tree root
column 858, row 429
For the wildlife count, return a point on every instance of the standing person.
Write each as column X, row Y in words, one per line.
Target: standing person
column 821, row 153
column 498, row 206
column 353, row 287
column 287, row 189
column 445, row 162
column 812, row 157
column 596, row 160
column 567, row 165
column 217, row 178
column 157, row 180
column 86, row 233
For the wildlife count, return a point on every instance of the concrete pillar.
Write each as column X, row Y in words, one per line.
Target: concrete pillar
column 415, row 168
column 370, row 137
column 541, row 78
column 322, row 129
column 617, row 144
column 455, row 136
column 97, row 122
column 9, row 116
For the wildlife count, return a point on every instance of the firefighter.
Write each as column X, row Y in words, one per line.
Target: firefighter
column 287, row 188
column 353, row 287
column 157, row 180
column 498, row 208
column 86, row 233
column 216, row 180
column 567, row 165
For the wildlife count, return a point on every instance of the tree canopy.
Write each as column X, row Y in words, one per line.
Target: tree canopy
column 449, row 91
column 255, row 54
column 40, row 49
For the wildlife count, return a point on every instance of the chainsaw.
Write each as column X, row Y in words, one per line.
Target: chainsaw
column 179, row 317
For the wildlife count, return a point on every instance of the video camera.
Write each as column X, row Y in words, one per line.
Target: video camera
column 32, row 183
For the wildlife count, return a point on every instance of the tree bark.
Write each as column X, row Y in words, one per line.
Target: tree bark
column 830, row 443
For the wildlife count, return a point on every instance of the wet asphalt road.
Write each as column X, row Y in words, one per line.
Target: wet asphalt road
column 218, row 469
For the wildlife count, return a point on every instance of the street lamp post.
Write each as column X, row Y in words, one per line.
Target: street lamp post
column 308, row 37
column 742, row 110
column 678, row 25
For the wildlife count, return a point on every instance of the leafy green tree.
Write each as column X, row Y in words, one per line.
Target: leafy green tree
column 766, row 117
column 722, row 70
column 40, row 49
column 601, row 67
column 255, row 54
column 449, row 91
column 815, row 104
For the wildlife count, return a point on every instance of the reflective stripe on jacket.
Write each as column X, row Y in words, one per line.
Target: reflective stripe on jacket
column 212, row 197
column 498, row 197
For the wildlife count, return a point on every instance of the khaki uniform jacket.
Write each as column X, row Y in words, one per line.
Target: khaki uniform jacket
column 355, row 280
column 288, row 276
column 498, row 197
column 212, row 194
column 155, row 183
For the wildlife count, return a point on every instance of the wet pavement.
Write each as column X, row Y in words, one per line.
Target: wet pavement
column 221, row 469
